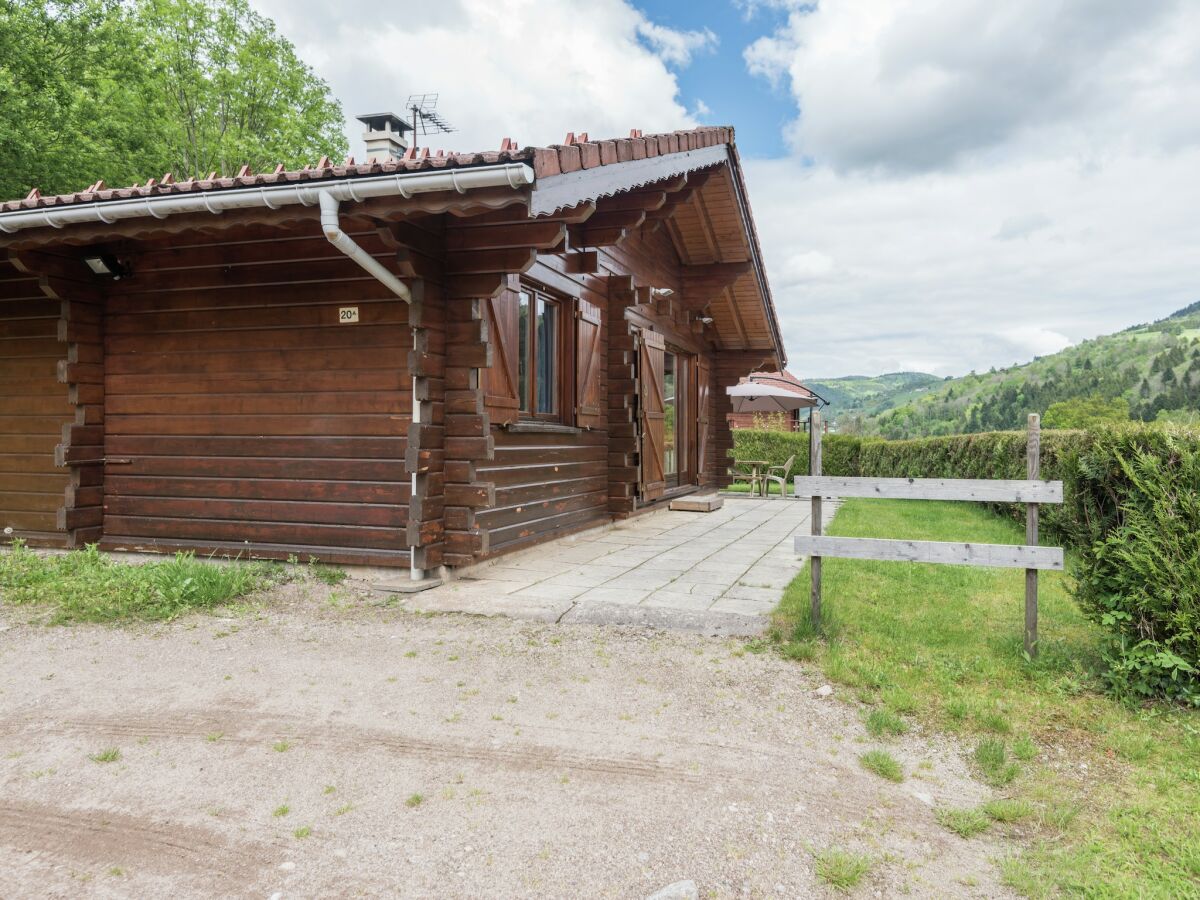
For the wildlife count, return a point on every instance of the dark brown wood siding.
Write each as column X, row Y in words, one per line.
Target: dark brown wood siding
column 545, row 483
column 34, row 407
column 242, row 415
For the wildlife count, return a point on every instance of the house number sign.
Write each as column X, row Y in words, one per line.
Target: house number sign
column 348, row 315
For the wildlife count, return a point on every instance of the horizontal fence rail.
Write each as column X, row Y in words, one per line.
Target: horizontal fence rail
column 1028, row 556
column 1000, row 556
column 982, row 490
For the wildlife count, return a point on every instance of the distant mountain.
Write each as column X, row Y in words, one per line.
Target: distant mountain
column 1148, row 372
column 867, row 395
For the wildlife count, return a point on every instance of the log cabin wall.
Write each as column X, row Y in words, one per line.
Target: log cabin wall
column 546, row 482
column 34, row 408
column 243, row 415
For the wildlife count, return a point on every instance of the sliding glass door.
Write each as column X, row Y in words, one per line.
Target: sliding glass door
column 678, row 431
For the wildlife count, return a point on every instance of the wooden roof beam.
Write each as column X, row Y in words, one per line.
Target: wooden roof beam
column 640, row 200
column 535, row 234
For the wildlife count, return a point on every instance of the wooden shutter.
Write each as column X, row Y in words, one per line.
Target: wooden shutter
column 501, row 390
column 589, row 401
column 651, row 347
column 702, row 404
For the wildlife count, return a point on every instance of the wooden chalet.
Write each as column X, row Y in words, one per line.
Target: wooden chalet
column 416, row 361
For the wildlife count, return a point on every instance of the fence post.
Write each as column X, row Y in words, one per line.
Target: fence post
column 814, row 466
column 1033, row 458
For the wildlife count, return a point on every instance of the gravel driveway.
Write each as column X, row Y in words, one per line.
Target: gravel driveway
column 323, row 744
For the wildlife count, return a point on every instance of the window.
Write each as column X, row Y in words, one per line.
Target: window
column 539, row 348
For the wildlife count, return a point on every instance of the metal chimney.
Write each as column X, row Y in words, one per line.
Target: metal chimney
column 384, row 135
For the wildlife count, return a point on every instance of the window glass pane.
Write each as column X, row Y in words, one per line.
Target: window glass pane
column 523, row 346
column 547, row 357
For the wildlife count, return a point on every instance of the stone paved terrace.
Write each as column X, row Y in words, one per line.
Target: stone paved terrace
column 722, row 571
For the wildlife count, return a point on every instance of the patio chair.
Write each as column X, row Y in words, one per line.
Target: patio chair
column 779, row 474
column 737, row 476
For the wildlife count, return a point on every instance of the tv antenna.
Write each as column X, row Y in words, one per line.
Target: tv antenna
column 425, row 117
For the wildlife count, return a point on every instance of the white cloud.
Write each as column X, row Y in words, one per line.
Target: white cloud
column 1021, row 225
column 870, row 272
column 987, row 181
column 676, row 47
column 527, row 70
column 914, row 85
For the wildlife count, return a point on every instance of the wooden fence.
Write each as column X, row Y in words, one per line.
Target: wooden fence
column 1028, row 556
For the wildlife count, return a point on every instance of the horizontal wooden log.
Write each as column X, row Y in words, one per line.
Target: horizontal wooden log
column 541, row 235
column 481, row 262
column 87, row 517
column 1005, row 556
column 982, row 490
column 476, row 496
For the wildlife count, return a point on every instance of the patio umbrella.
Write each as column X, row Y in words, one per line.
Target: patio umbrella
column 758, row 397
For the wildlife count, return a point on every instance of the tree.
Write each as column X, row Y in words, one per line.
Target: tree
column 75, row 95
column 236, row 92
column 126, row 91
column 1080, row 412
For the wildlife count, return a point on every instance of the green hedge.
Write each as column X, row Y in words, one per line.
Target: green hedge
column 1131, row 513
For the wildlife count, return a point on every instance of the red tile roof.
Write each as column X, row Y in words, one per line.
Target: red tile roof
column 575, row 153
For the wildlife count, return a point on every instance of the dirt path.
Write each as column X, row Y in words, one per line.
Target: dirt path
column 549, row 761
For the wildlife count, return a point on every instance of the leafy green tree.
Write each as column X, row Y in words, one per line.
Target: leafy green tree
column 236, row 91
column 1080, row 412
column 76, row 96
column 125, row 90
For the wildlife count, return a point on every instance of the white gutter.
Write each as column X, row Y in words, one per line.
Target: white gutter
column 403, row 184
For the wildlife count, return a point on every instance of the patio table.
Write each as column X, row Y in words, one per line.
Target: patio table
column 757, row 468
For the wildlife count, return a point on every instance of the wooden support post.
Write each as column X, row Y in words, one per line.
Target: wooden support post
column 814, row 457
column 1033, row 458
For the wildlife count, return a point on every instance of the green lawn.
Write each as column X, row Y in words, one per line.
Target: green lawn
column 1110, row 794
column 88, row 586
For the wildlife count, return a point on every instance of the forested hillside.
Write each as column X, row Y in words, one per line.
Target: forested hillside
column 870, row 395
column 1148, row 372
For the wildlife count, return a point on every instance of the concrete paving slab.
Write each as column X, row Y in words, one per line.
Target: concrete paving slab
column 675, row 567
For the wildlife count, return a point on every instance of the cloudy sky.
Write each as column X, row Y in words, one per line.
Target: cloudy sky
column 940, row 185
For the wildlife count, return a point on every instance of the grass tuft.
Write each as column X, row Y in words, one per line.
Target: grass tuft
column 841, row 869
column 302, row 832
column 992, row 759
column 966, row 823
column 881, row 722
column 414, row 801
column 87, row 586
column 112, row 754
column 1008, row 810
column 330, row 575
column 281, row 810
column 882, row 764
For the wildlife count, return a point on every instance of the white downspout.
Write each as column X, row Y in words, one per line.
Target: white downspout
column 346, row 244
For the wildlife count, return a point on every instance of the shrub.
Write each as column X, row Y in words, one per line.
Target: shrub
column 1140, row 576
